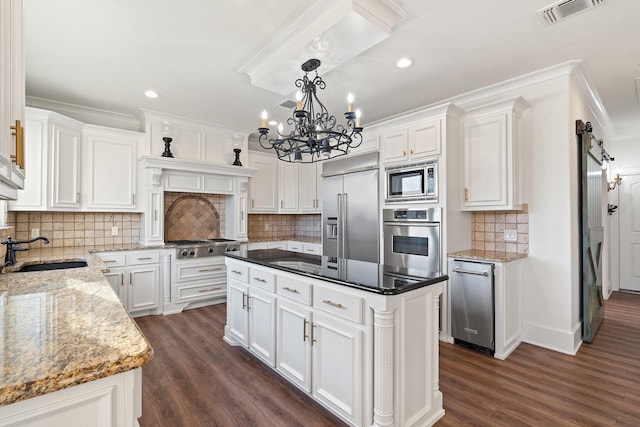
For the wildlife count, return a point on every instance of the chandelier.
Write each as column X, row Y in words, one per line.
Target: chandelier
column 315, row 135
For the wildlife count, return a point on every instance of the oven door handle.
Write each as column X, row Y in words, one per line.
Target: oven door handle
column 477, row 273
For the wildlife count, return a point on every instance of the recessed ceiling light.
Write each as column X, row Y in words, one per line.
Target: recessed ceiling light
column 273, row 123
column 404, row 62
column 151, row 94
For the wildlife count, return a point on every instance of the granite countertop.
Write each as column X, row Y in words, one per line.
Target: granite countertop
column 367, row 276
column 61, row 328
column 317, row 240
column 482, row 255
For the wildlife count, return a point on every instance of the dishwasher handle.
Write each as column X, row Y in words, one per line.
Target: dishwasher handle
column 477, row 273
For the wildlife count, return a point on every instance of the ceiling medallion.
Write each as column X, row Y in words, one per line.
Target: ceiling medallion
column 315, row 135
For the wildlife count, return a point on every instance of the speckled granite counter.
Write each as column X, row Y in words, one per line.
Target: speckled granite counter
column 293, row 239
column 61, row 328
column 482, row 255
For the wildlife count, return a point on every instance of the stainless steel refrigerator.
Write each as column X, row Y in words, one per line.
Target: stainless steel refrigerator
column 350, row 211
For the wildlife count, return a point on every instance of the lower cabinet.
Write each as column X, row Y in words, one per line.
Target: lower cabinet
column 135, row 276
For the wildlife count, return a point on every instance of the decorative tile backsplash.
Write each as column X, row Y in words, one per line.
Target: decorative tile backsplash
column 284, row 227
column 76, row 228
column 193, row 216
column 488, row 230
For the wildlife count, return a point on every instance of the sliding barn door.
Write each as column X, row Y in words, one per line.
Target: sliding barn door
column 592, row 231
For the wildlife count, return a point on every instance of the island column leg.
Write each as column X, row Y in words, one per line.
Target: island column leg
column 383, row 368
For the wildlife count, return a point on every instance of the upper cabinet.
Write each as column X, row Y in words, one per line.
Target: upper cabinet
column 263, row 186
column 78, row 167
column 491, row 156
column 12, row 98
column 194, row 140
column 412, row 143
column 109, row 159
column 310, row 187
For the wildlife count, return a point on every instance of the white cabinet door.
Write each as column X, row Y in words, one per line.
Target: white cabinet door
column 294, row 343
column 491, row 156
column 237, row 318
column 115, row 277
column 337, row 366
column 34, row 194
column 288, row 187
column 109, row 168
column 310, row 187
column 144, row 288
column 263, row 186
column 65, row 135
column 262, row 325
column 424, row 140
column 394, row 146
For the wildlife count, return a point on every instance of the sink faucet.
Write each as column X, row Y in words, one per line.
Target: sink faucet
column 12, row 248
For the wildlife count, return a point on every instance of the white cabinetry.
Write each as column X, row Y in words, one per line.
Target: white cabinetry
column 310, row 187
column 108, row 177
column 263, row 186
column 197, row 282
column 105, row 179
column 491, row 156
column 288, row 187
column 416, row 142
column 12, row 94
column 251, row 310
column 136, row 277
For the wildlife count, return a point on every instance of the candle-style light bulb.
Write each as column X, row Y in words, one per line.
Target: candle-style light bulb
column 280, row 128
column 358, row 114
column 298, row 100
column 350, row 102
column 264, row 118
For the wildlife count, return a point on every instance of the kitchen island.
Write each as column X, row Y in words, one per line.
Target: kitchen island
column 360, row 338
column 70, row 351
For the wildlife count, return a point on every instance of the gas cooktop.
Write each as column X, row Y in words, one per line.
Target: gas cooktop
column 203, row 247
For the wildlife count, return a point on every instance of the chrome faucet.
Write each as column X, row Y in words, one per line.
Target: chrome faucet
column 12, row 248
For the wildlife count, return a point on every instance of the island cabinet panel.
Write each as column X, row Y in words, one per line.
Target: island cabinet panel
column 368, row 357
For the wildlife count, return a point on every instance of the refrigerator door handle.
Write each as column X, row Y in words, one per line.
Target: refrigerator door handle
column 339, row 225
column 344, row 225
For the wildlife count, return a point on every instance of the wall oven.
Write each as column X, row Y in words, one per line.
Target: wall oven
column 412, row 182
column 412, row 238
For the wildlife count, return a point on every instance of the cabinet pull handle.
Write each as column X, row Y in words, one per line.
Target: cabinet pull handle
column 252, row 203
column 109, row 260
column 121, row 279
column 202, row 270
column 130, row 278
column 281, row 204
column 313, row 339
column 133, row 199
column 411, row 151
column 466, row 194
column 18, row 131
column 333, row 304
column 404, row 152
column 155, row 215
column 295, row 291
column 244, row 305
column 210, row 289
column 235, row 272
column 304, row 330
column 260, row 279
column 77, row 197
column 144, row 258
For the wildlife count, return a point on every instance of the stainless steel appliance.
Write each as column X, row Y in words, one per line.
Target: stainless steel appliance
column 203, row 248
column 412, row 238
column 412, row 182
column 350, row 208
column 472, row 304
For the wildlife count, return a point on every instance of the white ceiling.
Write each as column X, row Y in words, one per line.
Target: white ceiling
column 105, row 54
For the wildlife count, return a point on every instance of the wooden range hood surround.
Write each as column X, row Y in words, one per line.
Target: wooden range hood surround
column 160, row 174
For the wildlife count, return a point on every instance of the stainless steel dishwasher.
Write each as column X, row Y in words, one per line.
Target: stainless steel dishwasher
column 472, row 304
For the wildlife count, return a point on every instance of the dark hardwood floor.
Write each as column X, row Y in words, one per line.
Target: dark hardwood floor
column 196, row 379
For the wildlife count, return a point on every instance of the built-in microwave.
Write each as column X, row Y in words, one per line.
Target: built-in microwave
column 412, row 182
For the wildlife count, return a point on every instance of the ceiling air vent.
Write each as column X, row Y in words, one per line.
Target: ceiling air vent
column 564, row 9
column 288, row 104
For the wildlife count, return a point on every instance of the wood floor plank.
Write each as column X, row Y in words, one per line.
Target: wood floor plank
column 196, row 379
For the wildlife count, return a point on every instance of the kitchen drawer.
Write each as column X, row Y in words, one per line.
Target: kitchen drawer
column 113, row 260
column 312, row 248
column 239, row 272
column 337, row 303
column 202, row 289
column 262, row 279
column 200, row 269
column 295, row 289
column 295, row 247
column 139, row 258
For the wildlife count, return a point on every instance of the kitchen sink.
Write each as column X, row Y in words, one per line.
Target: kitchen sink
column 56, row 265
